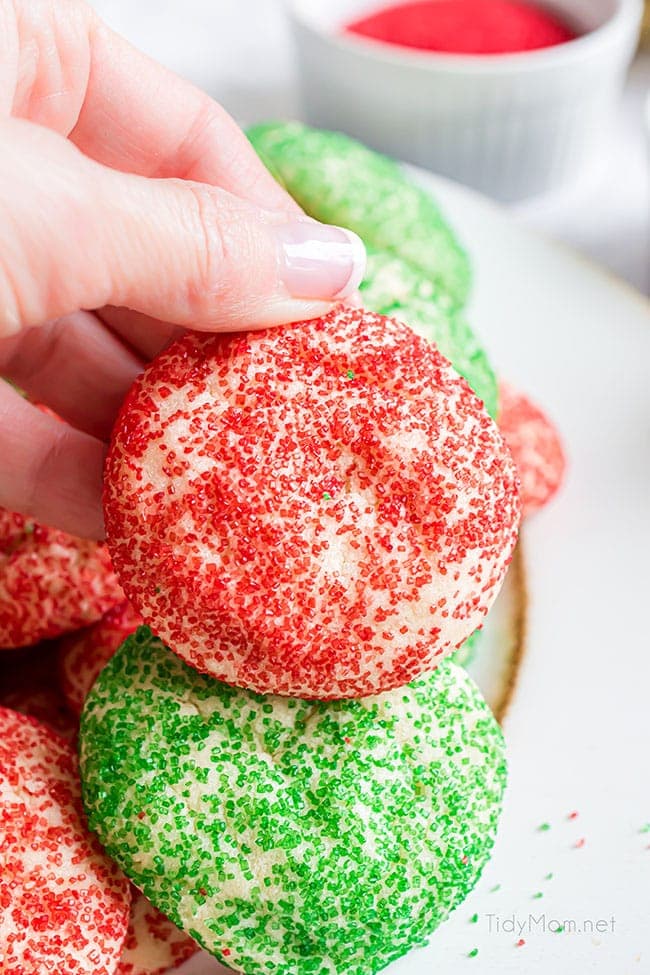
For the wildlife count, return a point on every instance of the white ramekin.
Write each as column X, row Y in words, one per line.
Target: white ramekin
column 513, row 126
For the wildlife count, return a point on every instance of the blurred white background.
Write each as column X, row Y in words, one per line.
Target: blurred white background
column 239, row 51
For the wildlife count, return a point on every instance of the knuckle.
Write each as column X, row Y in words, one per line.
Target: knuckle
column 210, row 130
column 214, row 244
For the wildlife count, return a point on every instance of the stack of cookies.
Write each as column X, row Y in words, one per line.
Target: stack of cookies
column 276, row 748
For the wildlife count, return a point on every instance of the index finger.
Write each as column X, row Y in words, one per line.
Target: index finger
column 140, row 117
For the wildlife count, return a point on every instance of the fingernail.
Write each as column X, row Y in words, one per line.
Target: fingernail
column 320, row 261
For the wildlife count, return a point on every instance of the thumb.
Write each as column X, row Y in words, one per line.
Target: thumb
column 75, row 234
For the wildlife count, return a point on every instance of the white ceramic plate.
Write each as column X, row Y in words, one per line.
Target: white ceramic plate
column 578, row 728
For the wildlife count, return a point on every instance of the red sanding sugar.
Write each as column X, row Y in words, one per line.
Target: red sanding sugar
column 321, row 510
column 64, row 905
column 465, row 26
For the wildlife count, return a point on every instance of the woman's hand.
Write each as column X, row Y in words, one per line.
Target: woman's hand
column 126, row 191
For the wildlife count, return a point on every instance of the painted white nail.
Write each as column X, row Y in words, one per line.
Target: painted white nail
column 320, row 261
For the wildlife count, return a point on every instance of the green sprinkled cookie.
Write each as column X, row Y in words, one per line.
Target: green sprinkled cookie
column 291, row 836
column 338, row 180
column 395, row 288
column 467, row 650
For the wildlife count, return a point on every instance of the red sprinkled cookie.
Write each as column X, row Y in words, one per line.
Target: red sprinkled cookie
column 50, row 582
column 64, row 904
column 319, row 510
column 83, row 654
column 28, row 683
column 153, row 944
column 535, row 446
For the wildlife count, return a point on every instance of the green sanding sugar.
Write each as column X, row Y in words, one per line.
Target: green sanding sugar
column 338, row 180
column 287, row 835
column 394, row 287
